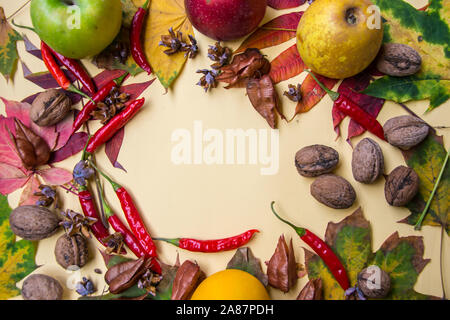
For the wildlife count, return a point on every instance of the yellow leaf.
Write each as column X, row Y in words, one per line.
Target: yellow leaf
column 8, row 49
column 163, row 15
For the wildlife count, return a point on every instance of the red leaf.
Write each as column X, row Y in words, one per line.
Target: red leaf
column 287, row 65
column 31, row 48
column 113, row 146
column 351, row 88
column 11, row 178
column 45, row 80
column 64, row 129
column 75, row 144
column 56, row 176
column 285, row 4
column 312, row 93
column 106, row 76
column 18, row 110
column 8, row 152
column 136, row 89
column 268, row 35
column 27, row 197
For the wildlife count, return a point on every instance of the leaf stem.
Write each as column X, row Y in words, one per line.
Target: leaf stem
column 441, row 262
column 18, row 10
column 418, row 225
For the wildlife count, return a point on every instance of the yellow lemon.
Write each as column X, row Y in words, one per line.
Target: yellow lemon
column 339, row 39
column 231, row 284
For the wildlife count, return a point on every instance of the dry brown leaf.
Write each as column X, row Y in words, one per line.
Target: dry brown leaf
column 282, row 267
column 188, row 277
column 312, row 290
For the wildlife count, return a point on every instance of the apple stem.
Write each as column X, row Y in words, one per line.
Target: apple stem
column 333, row 95
column 20, row 26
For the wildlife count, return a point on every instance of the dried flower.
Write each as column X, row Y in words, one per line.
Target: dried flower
column 47, row 196
column 82, row 172
column 172, row 41
column 294, row 94
column 221, row 55
column 76, row 223
column 114, row 243
column 85, row 287
column 149, row 281
column 208, row 81
column 112, row 105
column 190, row 49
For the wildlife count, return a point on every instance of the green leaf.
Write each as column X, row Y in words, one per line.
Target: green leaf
column 351, row 240
column 16, row 258
column 8, row 48
column 427, row 159
column 417, row 87
column 427, row 32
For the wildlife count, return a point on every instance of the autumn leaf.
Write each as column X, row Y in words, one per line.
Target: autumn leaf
column 428, row 32
column 274, row 32
column 16, row 257
column 244, row 260
column 287, row 65
column 351, row 240
column 427, row 159
column 163, row 15
column 8, row 48
column 285, row 4
column 27, row 197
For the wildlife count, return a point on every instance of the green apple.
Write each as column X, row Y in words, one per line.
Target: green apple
column 77, row 28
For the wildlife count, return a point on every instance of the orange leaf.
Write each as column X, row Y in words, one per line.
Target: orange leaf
column 287, row 65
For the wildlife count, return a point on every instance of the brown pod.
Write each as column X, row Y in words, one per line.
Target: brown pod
column 187, row 278
column 41, row 287
column 398, row 60
column 333, row 191
column 71, row 251
column 315, row 160
column 401, row 186
column 313, row 290
column 405, row 131
column 367, row 161
column 33, row 222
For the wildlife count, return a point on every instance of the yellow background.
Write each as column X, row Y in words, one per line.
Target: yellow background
column 223, row 200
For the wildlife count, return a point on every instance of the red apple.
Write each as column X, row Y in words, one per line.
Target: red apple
column 225, row 20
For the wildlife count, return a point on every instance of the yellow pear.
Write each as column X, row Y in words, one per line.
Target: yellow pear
column 339, row 39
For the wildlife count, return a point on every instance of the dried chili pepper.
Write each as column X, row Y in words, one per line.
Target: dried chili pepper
column 77, row 70
column 102, row 93
column 353, row 110
column 209, row 246
column 323, row 251
column 135, row 38
column 128, row 237
column 132, row 215
column 115, row 124
column 56, row 71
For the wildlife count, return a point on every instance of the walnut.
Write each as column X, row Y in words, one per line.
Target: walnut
column 367, row 161
column 312, row 161
column 405, row 131
column 374, row 282
column 398, row 60
column 41, row 287
column 401, row 186
column 50, row 107
column 333, row 191
column 71, row 251
column 33, row 222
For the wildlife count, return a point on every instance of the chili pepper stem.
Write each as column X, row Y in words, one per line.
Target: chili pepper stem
column 418, row 225
column 73, row 89
column 333, row 94
column 145, row 5
column 174, row 241
column 115, row 185
column 300, row 231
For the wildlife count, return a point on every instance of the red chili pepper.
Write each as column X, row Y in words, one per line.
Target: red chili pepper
column 90, row 210
column 108, row 130
column 135, row 38
column 353, row 110
column 323, row 251
column 128, row 237
column 101, row 95
column 210, row 246
column 77, row 70
column 56, row 71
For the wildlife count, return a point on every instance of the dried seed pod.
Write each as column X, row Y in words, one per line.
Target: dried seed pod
column 33, row 222
column 313, row 290
column 187, row 279
column 71, row 251
column 50, row 107
column 405, row 131
column 367, row 161
column 374, row 282
column 124, row 275
column 401, row 186
column 282, row 267
column 398, row 60
column 41, row 287
column 315, row 160
column 333, row 191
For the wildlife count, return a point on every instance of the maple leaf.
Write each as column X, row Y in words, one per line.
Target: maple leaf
column 351, row 240
column 16, row 257
column 8, row 48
